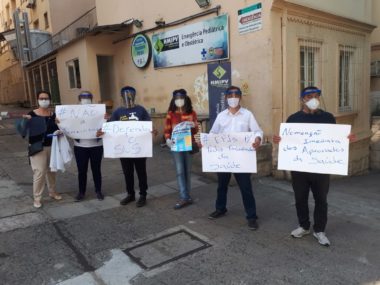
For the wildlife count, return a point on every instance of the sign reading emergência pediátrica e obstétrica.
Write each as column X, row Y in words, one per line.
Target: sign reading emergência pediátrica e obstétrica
column 315, row 148
column 200, row 42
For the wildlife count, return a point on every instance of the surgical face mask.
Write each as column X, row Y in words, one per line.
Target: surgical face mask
column 233, row 102
column 44, row 103
column 85, row 101
column 179, row 103
column 312, row 104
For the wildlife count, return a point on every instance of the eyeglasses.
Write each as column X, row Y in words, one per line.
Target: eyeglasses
column 44, row 99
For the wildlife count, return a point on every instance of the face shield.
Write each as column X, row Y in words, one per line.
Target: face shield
column 129, row 98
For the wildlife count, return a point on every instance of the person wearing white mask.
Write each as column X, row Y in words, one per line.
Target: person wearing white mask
column 303, row 182
column 88, row 150
column 181, row 111
column 236, row 119
column 44, row 120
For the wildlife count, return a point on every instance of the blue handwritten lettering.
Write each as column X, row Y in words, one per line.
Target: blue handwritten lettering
column 291, row 132
column 287, row 147
column 326, row 161
column 311, row 151
column 227, row 166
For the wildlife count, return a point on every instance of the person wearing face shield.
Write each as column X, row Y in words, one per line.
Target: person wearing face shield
column 236, row 119
column 85, row 151
column 181, row 110
column 303, row 182
column 44, row 124
column 132, row 112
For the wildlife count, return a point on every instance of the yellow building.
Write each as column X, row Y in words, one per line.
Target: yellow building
column 291, row 44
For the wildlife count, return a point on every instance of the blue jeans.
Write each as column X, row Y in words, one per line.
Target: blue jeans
column 182, row 161
column 245, row 185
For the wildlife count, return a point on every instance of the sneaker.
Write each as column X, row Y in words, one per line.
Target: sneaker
column 100, row 196
column 37, row 204
column 299, row 232
column 141, row 202
column 79, row 197
column 252, row 224
column 217, row 214
column 55, row 196
column 127, row 200
column 183, row 203
column 322, row 239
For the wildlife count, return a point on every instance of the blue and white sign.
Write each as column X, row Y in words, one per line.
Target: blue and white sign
column 316, row 148
column 196, row 43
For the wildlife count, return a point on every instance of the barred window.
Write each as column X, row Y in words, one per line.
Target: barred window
column 346, row 78
column 309, row 63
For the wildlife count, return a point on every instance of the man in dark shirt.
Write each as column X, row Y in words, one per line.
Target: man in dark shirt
column 132, row 112
column 303, row 182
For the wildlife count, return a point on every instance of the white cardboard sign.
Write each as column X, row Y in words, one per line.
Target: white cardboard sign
column 80, row 121
column 127, row 139
column 231, row 152
column 316, row 148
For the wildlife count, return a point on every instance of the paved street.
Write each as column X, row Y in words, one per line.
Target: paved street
column 101, row 242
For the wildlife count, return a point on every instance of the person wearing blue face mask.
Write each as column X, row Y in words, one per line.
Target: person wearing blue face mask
column 88, row 150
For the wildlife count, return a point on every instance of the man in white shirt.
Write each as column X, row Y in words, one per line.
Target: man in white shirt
column 232, row 120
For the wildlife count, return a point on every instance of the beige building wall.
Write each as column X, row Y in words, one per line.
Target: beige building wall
column 353, row 9
column 77, row 50
column 65, row 12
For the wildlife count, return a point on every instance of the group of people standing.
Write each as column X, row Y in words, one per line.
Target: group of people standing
column 234, row 119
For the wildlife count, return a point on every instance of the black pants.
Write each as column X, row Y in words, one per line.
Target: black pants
column 128, row 165
column 82, row 156
column 319, row 185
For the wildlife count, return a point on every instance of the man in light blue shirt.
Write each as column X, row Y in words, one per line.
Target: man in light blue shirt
column 236, row 119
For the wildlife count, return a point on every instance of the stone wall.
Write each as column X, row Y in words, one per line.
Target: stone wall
column 375, row 144
column 11, row 85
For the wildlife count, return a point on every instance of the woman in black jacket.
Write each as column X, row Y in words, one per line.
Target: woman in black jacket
column 41, row 125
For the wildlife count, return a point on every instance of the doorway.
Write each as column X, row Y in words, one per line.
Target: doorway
column 106, row 79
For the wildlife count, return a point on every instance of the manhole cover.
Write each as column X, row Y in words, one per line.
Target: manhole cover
column 159, row 251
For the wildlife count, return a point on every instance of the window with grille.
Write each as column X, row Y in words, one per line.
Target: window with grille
column 309, row 63
column 346, row 78
column 74, row 73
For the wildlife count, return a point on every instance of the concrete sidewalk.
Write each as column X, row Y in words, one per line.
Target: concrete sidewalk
column 101, row 242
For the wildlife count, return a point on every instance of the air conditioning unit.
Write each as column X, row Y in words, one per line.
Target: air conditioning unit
column 31, row 4
column 375, row 68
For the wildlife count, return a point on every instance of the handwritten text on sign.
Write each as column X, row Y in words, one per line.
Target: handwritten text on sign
column 80, row 121
column 228, row 152
column 127, row 139
column 318, row 148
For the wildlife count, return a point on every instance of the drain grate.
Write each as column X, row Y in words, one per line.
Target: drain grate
column 165, row 249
